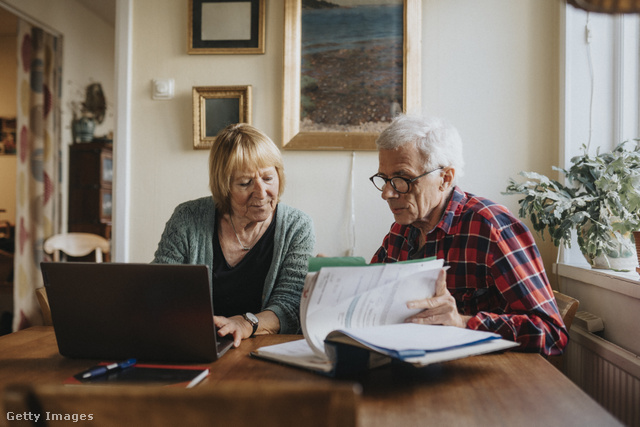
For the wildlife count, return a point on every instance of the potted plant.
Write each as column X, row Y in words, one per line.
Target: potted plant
column 601, row 201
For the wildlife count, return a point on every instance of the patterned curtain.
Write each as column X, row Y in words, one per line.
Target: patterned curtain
column 38, row 213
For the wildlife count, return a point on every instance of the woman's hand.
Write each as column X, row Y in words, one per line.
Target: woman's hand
column 439, row 310
column 235, row 325
column 241, row 329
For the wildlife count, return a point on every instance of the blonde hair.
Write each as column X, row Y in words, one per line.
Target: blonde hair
column 240, row 146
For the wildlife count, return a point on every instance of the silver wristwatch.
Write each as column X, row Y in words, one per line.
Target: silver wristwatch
column 253, row 321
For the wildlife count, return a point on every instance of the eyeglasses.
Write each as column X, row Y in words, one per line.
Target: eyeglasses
column 399, row 184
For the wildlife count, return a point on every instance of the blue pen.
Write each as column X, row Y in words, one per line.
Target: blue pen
column 101, row 370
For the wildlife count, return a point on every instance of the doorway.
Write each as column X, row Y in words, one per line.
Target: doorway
column 8, row 162
column 89, row 40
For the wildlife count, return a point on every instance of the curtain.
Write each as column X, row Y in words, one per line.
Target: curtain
column 38, row 213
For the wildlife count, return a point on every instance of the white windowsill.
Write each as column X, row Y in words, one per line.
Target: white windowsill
column 623, row 283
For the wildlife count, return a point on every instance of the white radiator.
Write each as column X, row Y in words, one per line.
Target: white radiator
column 608, row 373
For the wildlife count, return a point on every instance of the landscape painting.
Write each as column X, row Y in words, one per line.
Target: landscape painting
column 351, row 76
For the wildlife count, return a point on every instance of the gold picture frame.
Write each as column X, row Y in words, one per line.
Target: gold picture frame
column 215, row 107
column 292, row 136
column 226, row 27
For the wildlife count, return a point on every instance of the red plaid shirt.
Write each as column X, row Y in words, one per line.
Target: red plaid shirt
column 496, row 273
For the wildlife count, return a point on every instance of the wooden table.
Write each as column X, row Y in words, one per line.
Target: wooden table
column 510, row 389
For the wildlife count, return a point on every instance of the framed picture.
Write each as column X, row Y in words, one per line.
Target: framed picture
column 348, row 71
column 226, row 26
column 214, row 108
column 7, row 136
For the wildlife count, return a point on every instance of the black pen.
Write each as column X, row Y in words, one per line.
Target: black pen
column 101, row 370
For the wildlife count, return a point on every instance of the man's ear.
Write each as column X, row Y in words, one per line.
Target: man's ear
column 448, row 174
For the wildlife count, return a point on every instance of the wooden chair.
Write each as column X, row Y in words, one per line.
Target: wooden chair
column 43, row 301
column 241, row 404
column 76, row 245
column 73, row 244
column 568, row 307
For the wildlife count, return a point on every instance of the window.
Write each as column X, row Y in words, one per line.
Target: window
column 601, row 86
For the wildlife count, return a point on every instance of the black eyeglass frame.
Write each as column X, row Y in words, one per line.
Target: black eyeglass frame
column 407, row 180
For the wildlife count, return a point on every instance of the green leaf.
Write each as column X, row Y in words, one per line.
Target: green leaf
column 603, row 198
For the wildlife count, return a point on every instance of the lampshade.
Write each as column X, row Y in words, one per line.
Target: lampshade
column 607, row 6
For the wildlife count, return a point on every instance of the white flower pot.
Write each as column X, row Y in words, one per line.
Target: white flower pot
column 618, row 264
column 624, row 258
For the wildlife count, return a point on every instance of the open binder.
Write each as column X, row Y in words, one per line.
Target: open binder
column 353, row 319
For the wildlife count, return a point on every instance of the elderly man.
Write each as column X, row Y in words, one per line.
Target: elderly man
column 496, row 280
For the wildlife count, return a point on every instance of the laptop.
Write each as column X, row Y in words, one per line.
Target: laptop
column 151, row 312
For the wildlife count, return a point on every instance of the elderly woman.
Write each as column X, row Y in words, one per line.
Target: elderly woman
column 256, row 248
column 496, row 280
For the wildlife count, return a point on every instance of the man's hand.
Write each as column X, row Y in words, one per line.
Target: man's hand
column 439, row 310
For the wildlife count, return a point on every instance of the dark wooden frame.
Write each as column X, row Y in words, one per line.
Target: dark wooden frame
column 254, row 45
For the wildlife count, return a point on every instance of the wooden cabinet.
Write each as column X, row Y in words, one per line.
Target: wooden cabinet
column 90, row 183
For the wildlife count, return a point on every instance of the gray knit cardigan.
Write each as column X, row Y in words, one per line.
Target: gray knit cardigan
column 188, row 239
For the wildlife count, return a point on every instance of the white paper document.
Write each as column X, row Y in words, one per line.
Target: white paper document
column 355, row 297
column 366, row 307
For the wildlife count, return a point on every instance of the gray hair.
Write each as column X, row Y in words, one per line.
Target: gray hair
column 437, row 140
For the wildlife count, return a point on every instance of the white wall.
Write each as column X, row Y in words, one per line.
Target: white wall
column 9, row 61
column 490, row 67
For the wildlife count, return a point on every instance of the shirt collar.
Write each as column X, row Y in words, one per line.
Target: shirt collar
column 455, row 204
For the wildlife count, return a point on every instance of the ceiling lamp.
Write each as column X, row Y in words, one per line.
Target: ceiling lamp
column 607, row 6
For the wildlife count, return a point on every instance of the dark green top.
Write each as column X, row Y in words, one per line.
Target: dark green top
column 188, row 239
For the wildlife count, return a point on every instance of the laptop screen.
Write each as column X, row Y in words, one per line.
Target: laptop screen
column 152, row 312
